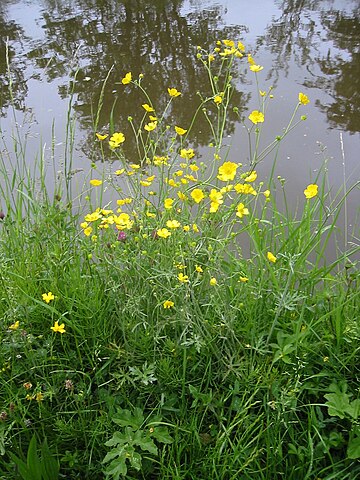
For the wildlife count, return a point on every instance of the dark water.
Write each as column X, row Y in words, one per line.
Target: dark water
column 56, row 47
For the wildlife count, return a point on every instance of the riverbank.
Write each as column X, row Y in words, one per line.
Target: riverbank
column 192, row 328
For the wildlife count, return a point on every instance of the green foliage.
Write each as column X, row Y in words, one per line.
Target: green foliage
column 37, row 467
column 137, row 434
column 231, row 328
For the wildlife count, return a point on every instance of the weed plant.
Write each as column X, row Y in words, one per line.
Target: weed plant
column 140, row 340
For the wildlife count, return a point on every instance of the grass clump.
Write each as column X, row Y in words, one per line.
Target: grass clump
column 180, row 324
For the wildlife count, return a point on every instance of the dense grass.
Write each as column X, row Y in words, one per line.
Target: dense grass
column 210, row 360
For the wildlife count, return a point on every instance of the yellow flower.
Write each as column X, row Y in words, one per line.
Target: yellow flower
column 172, row 183
column 39, row 397
column 241, row 210
column 271, row 257
column 256, row 68
column 262, row 93
column 168, row 304
column 183, row 278
column 227, row 171
column 241, row 47
column 243, row 279
column 150, row 215
column 197, row 195
column 267, row 193
column 101, row 137
column 173, row 92
column 145, row 183
column 92, row 217
column 163, row 233
column 229, row 43
column 116, row 139
column 95, row 183
column 124, row 201
column 213, row 281
column 88, row 231
column 127, row 79
column 187, row 154
column 245, row 188
column 150, row 126
column 152, row 118
column 168, row 203
column 198, row 269
column 218, row 99
column 180, row 131
column 173, row 224
column 303, row 99
column 251, row 61
column 120, row 172
column 195, row 228
column 256, row 117
column 47, row 297
column 252, row 177
column 147, row 108
column 123, row 221
column 186, row 228
column 216, row 196
column 179, row 173
column 311, row 190
column 15, row 325
column 58, row 328
column 193, row 167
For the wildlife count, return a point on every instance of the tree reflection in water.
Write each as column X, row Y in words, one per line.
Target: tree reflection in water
column 297, row 37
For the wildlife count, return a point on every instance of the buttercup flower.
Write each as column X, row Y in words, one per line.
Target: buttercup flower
column 256, row 68
column 252, row 177
column 271, row 257
column 47, row 297
column 197, row 195
column 147, row 108
column 127, row 79
column 183, row 278
column 101, row 137
column 173, row 92
column 15, row 325
column 95, row 182
column 116, row 139
column 150, row 126
column 58, row 328
column 198, row 269
column 168, row 304
column 163, row 233
column 311, row 190
column 243, row 279
column 173, row 224
column 168, row 203
column 213, row 281
column 241, row 210
column 180, row 131
column 227, row 171
column 303, row 99
column 256, row 117
column 218, row 99
column 187, row 154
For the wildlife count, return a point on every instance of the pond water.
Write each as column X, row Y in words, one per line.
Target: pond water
column 61, row 47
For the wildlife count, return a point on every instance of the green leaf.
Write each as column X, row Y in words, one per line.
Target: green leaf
column 354, row 409
column 161, row 434
column 50, row 465
column 353, row 450
column 145, row 442
column 33, row 461
column 125, row 418
column 337, row 403
column 22, row 467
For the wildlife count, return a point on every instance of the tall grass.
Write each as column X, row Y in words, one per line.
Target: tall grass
column 140, row 339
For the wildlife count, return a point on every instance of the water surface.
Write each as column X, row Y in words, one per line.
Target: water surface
column 62, row 49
